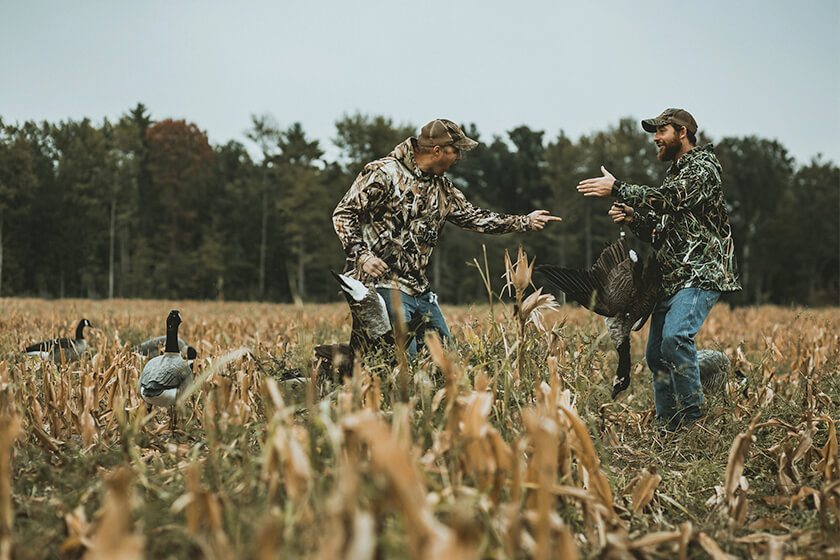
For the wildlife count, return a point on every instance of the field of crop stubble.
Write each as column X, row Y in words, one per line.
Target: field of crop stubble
column 505, row 445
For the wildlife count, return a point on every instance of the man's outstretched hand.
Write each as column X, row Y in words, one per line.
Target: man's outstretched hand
column 597, row 186
column 540, row 218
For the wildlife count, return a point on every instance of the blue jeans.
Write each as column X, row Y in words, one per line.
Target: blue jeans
column 672, row 357
column 419, row 313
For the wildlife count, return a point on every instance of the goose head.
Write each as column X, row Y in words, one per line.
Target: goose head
column 173, row 319
column 366, row 305
column 80, row 328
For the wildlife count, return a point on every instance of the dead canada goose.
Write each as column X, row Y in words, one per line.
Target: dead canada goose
column 371, row 327
column 619, row 287
column 70, row 348
column 166, row 376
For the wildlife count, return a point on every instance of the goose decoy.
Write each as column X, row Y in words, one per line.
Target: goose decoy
column 714, row 369
column 62, row 349
column 371, row 327
column 166, row 376
column 154, row 347
column 619, row 287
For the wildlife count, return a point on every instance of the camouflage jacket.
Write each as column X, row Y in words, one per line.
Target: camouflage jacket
column 395, row 211
column 686, row 221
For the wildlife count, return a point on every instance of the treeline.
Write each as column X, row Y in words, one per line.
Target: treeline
column 140, row 208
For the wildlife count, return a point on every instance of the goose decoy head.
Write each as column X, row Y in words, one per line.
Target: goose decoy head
column 80, row 328
column 174, row 319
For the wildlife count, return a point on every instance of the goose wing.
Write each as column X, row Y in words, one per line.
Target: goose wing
column 49, row 345
column 597, row 287
column 168, row 371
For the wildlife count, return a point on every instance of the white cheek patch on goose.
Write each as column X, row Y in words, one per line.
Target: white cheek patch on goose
column 633, row 256
column 356, row 289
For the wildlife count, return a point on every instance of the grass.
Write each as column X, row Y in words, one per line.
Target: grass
column 506, row 444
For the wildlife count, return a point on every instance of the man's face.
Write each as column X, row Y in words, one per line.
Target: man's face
column 668, row 141
column 445, row 158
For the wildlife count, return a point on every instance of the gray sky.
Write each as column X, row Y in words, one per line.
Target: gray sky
column 768, row 68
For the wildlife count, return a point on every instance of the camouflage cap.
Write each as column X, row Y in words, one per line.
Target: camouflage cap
column 679, row 117
column 443, row 132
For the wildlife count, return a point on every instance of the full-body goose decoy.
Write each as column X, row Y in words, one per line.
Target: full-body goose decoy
column 371, row 327
column 619, row 287
column 164, row 377
column 70, row 348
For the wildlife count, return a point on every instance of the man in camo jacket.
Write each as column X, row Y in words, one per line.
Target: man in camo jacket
column 687, row 224
column 390, row 219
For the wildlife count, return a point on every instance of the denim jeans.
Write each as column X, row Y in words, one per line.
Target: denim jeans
column 672, row 357
column 419, row 312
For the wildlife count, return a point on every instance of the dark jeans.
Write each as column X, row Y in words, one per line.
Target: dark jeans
column 672, row 357
column 421, row 312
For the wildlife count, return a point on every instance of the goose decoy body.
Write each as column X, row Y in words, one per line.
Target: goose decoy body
column 371, row 327
column 154, row 347
column 166, row 376
column 619, row 287
column 714, row 369
column 70, row 348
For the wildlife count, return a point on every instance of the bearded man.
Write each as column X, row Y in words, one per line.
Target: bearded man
column 686, row 221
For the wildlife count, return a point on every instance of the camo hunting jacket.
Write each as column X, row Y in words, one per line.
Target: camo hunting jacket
column 395, row 211
column 686, row 221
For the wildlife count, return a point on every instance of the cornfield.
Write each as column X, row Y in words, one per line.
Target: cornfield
column 505, row 444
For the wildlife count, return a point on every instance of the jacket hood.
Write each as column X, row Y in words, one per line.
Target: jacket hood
column 404, row 153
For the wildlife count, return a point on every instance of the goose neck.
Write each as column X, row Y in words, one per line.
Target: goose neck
column 172, row 338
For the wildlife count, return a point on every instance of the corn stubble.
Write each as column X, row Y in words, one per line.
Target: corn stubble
column 503, row 445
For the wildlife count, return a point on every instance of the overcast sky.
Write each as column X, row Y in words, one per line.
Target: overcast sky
column 769, row 68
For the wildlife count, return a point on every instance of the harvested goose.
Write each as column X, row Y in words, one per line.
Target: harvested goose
column 371, row 327
column 166, row 376
column 62, row 349
column 619, row 287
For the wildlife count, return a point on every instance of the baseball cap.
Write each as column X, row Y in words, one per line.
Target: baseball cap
column 443, row 132
column 679, row 117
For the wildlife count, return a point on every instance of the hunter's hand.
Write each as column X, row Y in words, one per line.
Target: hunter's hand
column 621, row 213
column 540, row 218
column 597, row 186
column 375, row 267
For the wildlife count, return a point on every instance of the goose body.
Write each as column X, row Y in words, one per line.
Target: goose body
column 371, row 327
column 619, row 287
column 154, row 346
column 714, row 369
column 166, row 376
column 70, row 348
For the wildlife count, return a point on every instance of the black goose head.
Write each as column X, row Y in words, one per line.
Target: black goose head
column 173, row 320
column 366, row 305
column 80, row 328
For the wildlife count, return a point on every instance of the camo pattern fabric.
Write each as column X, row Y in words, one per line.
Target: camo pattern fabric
column 686, row 221
column 396, row 211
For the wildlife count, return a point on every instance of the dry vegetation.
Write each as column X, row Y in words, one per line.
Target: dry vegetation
column 505, row 445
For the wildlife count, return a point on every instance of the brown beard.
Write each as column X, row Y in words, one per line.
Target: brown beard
column 668, row 152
